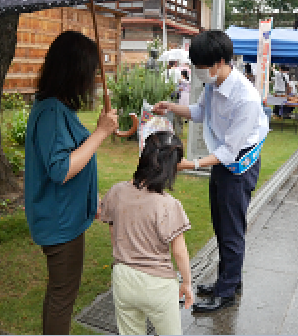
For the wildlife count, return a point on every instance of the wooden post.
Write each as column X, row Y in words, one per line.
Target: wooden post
column 62, row 18
column 118, row 42
column 101, row 60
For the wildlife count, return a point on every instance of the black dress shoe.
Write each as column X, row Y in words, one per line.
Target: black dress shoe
column 209, row 289
column 213, row 303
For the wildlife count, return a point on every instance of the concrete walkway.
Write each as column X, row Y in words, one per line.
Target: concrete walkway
column 269, row 303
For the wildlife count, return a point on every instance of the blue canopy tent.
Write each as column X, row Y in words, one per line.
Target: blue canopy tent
column 284, row 44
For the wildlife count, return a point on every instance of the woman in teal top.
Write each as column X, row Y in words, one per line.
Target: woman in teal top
column 61, row 170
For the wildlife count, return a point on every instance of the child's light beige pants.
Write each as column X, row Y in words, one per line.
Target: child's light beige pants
column 138, row 295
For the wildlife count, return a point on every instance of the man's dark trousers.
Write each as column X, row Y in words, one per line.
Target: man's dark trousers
column 230, row 195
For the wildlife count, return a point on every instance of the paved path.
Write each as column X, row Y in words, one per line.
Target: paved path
column 269, row 304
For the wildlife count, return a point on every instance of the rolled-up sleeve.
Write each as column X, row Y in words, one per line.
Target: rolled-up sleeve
column 196, row 110
column 55, row 143
column 243, row 121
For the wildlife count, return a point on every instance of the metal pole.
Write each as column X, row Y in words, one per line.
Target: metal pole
column 218, row 15
column 164, row 27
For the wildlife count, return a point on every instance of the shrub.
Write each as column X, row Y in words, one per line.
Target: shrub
column 19, row 126
column 11, row 101
column 132, row 86
column 15, row 157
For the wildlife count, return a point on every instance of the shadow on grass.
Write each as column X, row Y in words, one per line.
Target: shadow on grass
column 13, row 226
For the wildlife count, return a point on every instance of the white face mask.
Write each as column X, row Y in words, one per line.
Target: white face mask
column 205, row 77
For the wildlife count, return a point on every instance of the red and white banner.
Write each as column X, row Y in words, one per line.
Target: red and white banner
column 264, row 58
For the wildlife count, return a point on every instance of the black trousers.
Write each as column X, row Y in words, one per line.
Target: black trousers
column 230, row 195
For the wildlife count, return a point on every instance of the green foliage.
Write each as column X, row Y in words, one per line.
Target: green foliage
column 11, row 101
column 19, row 126
column 132, row 87
column 248, row 12
column 13, row 151
column 16, row 158
column 13, row 227
column 156, row 44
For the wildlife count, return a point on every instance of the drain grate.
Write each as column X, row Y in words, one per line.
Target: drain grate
column 100, row 316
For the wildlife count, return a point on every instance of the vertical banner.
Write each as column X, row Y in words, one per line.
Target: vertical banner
column 264, row 58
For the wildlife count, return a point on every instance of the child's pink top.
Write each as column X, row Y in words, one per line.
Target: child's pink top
column 144, row 223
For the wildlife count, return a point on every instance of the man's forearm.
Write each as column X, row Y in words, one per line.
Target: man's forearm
column 210, row 160
column 207, row 161
column 180, row 110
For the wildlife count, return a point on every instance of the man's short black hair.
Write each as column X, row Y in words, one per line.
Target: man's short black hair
column 209, row 47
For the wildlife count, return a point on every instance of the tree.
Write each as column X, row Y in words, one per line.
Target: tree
column 248, row 12
column 8, row 40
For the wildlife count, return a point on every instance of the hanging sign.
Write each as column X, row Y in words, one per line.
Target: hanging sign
column 264, row 58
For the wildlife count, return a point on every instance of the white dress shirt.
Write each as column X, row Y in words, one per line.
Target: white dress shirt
column 237, row 117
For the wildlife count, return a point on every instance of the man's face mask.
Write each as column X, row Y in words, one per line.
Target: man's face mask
column 205, row 77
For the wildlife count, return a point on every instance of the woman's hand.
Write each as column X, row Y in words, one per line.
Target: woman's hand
column 108, row 122
column 161, row 107
column 186, row 290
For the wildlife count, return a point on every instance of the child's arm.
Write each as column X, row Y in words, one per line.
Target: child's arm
column 181, row 256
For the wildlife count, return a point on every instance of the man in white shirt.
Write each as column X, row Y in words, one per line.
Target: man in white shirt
column 234, row 124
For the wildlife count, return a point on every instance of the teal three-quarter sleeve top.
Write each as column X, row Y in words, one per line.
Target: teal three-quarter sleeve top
column 57, row 212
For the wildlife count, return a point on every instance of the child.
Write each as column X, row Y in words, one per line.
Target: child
column 144, row 220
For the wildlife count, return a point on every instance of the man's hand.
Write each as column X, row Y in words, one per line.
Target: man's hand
column 161, row 108
column 184, row 164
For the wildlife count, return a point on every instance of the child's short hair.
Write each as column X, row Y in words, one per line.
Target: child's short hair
column 209, row 47
column 157, row 168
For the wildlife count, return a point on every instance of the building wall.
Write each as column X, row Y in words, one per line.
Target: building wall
column 37, row 30
column 206, row 16
column 134, row 45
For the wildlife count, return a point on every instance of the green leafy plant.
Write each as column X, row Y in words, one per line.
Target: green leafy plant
column 15, row 157
column 133, row 86
column 19, row 126
column 157, row 45
column 11, row 101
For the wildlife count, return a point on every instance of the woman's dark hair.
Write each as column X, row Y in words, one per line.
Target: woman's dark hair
column 184, row 73
column 157, row 167
column 210, row 47
column 69, row 70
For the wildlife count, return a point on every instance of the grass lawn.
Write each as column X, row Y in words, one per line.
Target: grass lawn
column 23, row 270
